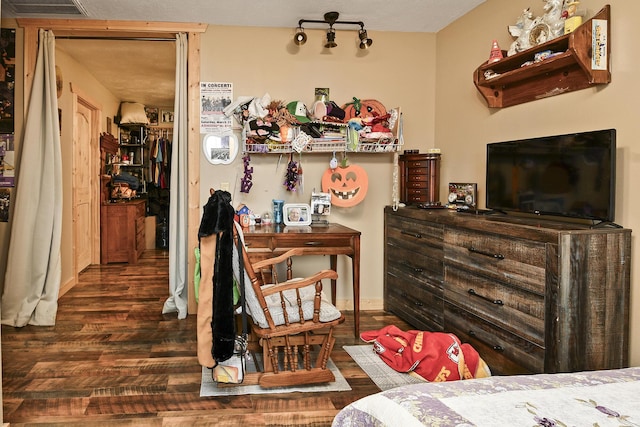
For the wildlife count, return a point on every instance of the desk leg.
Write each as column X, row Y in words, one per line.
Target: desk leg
column 355, row 266
column 334, row 267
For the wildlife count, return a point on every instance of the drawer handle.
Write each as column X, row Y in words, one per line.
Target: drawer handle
column 492, row 301
column 415, row 269
column 408, row 233
column 495, row 347
column 313, row 243
column 489, row 254
column 418, row 303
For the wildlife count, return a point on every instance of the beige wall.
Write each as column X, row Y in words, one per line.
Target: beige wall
column 398, row 71
column 465, row 125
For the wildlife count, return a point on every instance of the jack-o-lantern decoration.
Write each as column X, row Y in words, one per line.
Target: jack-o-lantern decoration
column 363, row 108
column 347, row 185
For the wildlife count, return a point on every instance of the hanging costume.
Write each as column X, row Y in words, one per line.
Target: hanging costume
column 216, row 324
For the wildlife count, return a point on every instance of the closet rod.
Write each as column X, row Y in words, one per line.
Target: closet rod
column 112, row 38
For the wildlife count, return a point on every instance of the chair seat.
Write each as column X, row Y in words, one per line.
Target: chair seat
column 328, row 311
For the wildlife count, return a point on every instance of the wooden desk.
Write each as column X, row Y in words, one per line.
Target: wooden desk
column 266, row 241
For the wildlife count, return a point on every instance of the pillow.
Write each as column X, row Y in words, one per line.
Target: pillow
column 133, row 112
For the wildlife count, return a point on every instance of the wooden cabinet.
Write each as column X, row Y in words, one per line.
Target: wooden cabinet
column 577, row 66
column 419, row 178
column 530, row 295
column 122, row 231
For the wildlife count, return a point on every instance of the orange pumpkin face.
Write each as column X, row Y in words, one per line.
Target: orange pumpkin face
column 363, row 108
column 348, row 185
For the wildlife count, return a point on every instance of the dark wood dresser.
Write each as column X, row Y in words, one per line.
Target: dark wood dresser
column 122, row 231
column 530, row 295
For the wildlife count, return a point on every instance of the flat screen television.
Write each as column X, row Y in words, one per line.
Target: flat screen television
column 570, row 175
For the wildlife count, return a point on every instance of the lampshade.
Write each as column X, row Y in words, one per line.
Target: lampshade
column 365, row 41
column 331, row 39
column 300, row 37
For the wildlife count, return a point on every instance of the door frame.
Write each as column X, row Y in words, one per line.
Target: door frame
column 136, row 29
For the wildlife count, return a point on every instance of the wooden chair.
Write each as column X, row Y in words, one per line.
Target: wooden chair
column 292, row 321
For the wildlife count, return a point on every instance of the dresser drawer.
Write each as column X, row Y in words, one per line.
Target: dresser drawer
column 417, row 178
column 414, row 236
column 414, row 302
column 504, row 352
column 417, row 164
column 286, row 242
column 520, row 263
column 419, row 185
column 415, row 267
column 508, row 307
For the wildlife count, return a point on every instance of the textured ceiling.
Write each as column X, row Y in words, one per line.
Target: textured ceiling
column 155, row 61
column 378, row 15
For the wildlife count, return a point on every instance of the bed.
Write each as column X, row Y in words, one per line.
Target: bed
column 597, row 398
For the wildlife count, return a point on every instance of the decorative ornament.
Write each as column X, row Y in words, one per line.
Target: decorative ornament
column 333, row 163
column 245, row 182
column 291, row 176
column 363, row 108
column 530, row 32
column 347, row 184
column 496, row 53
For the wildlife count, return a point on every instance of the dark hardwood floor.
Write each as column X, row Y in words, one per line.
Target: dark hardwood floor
column 113, row 359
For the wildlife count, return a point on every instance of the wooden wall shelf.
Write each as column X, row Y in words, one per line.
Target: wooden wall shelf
column 571, row 70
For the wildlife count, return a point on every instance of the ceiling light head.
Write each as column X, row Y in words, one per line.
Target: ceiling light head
column 300, row 37
column 331, row 39
column 365, row 41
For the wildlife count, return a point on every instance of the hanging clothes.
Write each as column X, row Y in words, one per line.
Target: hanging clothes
column 216, row 324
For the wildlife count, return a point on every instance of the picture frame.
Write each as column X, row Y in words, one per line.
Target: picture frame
column 220, row 148
column 166, row 116
column 463, row 194
column 296, row 214
column 320, row 203
column 152, row 115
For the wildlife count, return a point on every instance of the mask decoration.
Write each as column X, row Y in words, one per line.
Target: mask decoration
column 347, row 184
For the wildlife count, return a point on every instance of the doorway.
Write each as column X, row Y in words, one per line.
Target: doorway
column 128, row 29
column 85, row 200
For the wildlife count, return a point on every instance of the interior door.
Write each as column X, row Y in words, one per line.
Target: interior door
column 83, row 186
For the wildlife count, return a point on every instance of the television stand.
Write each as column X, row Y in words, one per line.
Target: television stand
column 606, row 224
column 563, row 287
column 479, row 211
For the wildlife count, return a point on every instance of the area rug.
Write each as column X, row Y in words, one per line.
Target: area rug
column 210, row 388
column 382, row 374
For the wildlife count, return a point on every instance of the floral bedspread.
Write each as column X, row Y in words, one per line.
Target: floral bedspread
column 598, row 398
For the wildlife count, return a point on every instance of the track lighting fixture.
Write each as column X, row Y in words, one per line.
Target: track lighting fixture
column 331, row 19
column 331, row 38
column 365, row 41
column 300, row 38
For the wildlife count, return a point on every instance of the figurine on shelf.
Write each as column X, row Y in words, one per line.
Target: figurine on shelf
column 496, row 53
column 553, row 18
column 520, row 31
column 530, row 32
column 572, row 19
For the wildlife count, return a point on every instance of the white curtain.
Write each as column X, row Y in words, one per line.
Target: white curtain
column 178, row 207
column 32, row 279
